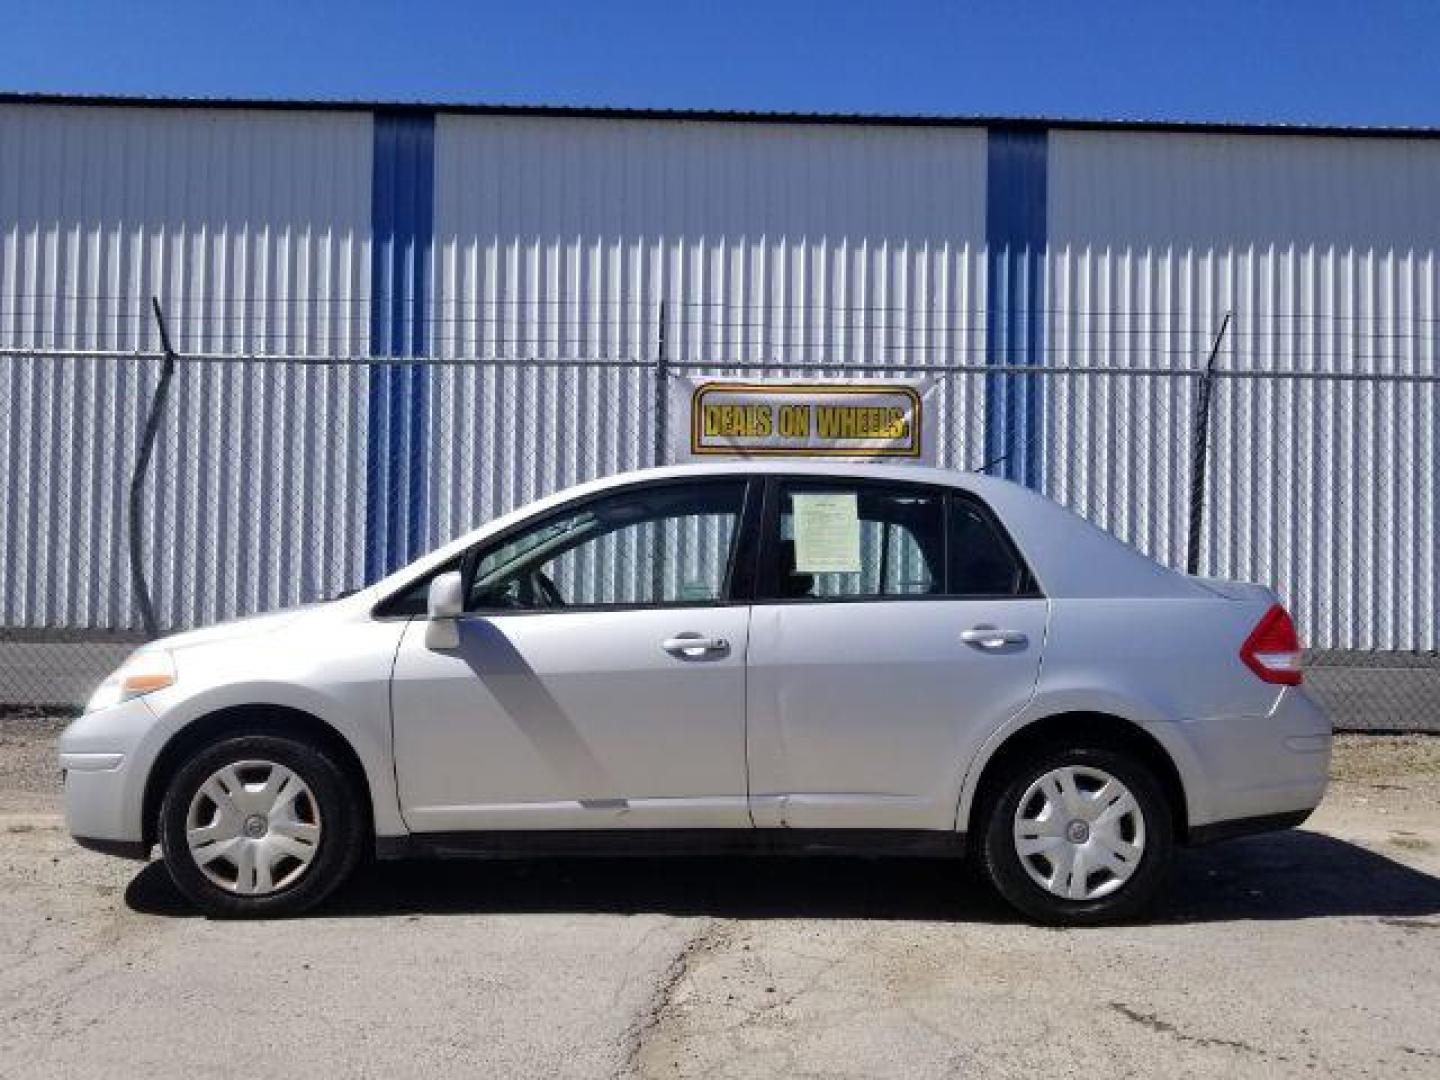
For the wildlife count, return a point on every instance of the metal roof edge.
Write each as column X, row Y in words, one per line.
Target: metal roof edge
column 741, row 116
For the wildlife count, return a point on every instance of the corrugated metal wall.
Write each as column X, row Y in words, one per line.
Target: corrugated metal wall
column 560, row 238
column 1325, row 250
column 253, row 230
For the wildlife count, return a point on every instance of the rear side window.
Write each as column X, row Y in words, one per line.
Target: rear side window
column 983, row 562
column 852, row 540
column 857, row 541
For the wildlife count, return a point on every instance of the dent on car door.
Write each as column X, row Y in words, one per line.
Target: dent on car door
column 894, row 627
column 599, row 679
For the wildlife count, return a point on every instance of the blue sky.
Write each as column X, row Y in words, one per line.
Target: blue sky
column 1301, row 61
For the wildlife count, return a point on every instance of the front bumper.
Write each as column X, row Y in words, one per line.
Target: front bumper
column 105, row 761
column 121, row 849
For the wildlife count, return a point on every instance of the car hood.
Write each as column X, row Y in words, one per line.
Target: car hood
column 234, row 629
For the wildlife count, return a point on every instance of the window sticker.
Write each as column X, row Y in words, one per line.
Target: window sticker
column 827, row 532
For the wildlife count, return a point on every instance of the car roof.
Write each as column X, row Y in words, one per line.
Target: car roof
column 979, row 483
column 792, row 466
column 1068, row 555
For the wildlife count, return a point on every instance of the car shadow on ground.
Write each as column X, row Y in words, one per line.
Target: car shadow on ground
column 1293, row 875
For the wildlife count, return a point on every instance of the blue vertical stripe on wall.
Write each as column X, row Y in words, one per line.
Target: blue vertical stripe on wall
column 402, row 217
column 1015, row 230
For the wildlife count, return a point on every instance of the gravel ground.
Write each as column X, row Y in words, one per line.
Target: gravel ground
column 1314, row 952
column 29, row 770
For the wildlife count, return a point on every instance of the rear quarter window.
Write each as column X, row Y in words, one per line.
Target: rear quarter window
column 983, row 559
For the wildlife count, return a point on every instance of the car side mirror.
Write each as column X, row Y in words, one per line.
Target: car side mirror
column 445, row 604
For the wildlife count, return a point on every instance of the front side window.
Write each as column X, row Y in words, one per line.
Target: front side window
column 666, row 544
column 855, row 541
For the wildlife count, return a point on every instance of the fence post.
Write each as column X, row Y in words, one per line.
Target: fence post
column 137, row 477
column 662, row 393
column 1199, row 452
column 662, row 435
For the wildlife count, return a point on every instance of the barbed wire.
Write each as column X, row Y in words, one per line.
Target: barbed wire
column 651, row 304
column 206, row 322
column 1045, row 365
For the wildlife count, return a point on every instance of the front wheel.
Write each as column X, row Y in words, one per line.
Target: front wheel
column 259, row 825
column 1078, row 836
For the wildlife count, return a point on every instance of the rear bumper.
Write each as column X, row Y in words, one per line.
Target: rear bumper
column 1255, row 773
column 1237, row 827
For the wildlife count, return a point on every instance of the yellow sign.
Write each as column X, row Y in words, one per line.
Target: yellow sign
column 848, row 420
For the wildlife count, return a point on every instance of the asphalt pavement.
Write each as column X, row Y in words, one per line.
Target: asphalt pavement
column 1309, row 953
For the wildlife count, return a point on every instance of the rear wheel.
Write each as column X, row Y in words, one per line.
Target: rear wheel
column 260, row 825
column 1077, row 836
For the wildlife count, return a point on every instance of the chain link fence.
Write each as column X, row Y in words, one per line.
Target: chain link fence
column 280, row 481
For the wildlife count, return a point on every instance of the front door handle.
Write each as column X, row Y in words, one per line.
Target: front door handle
column 991, row 637
column 693, row 645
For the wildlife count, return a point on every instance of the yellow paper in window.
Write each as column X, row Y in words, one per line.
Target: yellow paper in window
column 827, row 532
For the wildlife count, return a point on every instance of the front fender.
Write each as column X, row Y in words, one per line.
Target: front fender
column 368, row 737
column 340, row 677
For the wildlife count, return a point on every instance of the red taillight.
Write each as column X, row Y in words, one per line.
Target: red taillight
column 1272, row 650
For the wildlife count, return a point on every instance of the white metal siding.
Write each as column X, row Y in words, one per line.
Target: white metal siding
column 253, row 230
column 1325, row 250
column 559, row 238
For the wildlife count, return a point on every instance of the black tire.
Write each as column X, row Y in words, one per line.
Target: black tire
column 1002, row 865
column 338, row 849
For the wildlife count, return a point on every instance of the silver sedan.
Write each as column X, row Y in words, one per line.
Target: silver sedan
column 778, row 656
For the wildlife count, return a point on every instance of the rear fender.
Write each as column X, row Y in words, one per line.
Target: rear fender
column 1094, row 700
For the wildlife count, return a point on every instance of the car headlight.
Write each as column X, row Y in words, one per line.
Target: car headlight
column 144, row 673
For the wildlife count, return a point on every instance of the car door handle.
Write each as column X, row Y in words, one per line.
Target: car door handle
column 990, row 637
column 694, row 645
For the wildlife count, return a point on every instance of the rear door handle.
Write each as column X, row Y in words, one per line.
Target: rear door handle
column 693, row 645
column 991, row 637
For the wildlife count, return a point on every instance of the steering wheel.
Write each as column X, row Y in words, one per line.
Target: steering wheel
column 525, row 592
column 512, row 594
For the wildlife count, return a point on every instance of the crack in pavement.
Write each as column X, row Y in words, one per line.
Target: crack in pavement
column 710, row 935
column 1164, row 1027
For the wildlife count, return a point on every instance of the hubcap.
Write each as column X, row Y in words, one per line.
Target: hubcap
column 1079, row 833
column 253, row 827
